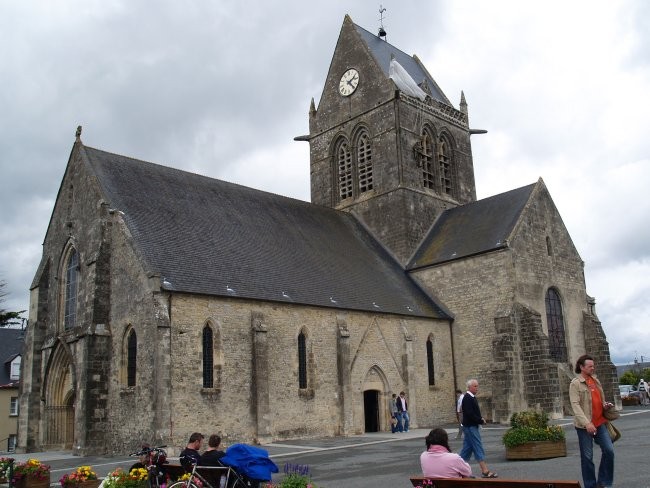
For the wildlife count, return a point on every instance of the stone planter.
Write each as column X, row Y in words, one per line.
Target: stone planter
column 33, row 482
column 537, row 450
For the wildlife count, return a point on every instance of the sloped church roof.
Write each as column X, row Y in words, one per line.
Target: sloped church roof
column 382, row 52
column 474, row 228
column 212, row 237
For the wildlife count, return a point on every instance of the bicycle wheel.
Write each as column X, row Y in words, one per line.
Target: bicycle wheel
column 182, row 484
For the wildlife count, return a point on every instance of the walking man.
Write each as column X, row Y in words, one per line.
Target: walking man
column 588, row 404
column 471, row 420
column 402, row 413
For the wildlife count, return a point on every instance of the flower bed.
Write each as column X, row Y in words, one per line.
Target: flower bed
column 6, row 469
column 530, row 437
column 136, row 478
column 31, row 474
column 296, row 476
column 82, row 477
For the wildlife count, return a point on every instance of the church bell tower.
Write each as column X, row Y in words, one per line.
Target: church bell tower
column 385, row 143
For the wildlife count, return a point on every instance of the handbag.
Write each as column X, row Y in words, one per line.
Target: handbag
column 613, row 432
column 611, row 414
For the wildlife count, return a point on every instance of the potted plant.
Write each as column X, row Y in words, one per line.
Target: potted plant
column 136, row 478
column 82, row 477
column 296, row 476
column 530, row 437
column 31, row 474
column 6, row 469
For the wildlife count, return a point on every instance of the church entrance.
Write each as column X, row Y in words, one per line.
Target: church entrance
column 58, row 414
column 371, row 410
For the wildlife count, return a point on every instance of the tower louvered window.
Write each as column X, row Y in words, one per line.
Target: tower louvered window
column 71, row 281
column 344, row 160
column 208, row 358
column 555, row 321
column 444, row 167
column 426, row 161
column 364, row 162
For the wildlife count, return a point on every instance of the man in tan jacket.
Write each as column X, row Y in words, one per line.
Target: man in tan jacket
column 588, row 404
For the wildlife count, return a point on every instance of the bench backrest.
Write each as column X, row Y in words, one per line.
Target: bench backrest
column 211, row 474
column 490, row 483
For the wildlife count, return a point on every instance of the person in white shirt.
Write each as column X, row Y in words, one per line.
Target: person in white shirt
column 643, row 392
column 459, row 413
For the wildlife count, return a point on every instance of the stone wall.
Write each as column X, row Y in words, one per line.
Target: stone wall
column 477, row 290
column 344, row 348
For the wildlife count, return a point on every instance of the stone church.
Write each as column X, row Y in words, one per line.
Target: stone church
column 168, row 302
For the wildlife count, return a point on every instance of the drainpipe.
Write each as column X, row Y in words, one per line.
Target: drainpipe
column 453, row 357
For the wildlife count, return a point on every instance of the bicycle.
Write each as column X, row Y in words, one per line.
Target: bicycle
column 156, row 458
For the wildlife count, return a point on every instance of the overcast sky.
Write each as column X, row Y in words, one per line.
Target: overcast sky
column 222, row 87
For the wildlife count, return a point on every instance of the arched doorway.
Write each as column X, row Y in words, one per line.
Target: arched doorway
column 58, row 413
column 371, row 410
column 375, row 404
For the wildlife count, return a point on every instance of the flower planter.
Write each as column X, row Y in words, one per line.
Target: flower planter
column 33, row 482
column 89, row 484
column 537, row 450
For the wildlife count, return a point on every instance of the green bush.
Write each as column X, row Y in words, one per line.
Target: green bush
column 531, row 426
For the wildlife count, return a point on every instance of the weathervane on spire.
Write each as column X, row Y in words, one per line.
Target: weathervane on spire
column 382, row 31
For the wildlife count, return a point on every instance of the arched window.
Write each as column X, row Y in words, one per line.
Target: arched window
column 445, row 170
column 364, row 162
column 344, row 163
column 430, row 368
column 131, row 357
column 71, row 284
column 426, row 160
column 555, row 321
column 208, row 358
column 302, row 361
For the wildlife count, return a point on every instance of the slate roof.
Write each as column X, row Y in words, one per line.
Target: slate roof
column 471, row 229
column 11, row 345
column 382, row 51
column 212, row 237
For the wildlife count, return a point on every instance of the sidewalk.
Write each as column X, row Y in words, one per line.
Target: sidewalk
column 386, row 459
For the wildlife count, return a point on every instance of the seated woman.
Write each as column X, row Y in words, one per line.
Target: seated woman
column 438, row 461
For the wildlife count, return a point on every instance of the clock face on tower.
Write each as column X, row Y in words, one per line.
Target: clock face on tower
column 349, row 82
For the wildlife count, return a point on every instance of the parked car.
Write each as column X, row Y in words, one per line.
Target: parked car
column 629, row 396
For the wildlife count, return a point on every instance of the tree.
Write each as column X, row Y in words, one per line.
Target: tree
column 7, row 317
column 629, row 378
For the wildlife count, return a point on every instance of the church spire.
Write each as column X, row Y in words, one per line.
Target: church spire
column 463, row 103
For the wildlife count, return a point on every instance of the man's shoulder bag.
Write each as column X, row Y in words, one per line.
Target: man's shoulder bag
column 611, row 414
column 613, row 432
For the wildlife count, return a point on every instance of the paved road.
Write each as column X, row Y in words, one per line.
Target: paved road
column 387, row 460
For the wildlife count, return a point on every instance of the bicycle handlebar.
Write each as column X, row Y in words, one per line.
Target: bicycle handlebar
column 147, row 450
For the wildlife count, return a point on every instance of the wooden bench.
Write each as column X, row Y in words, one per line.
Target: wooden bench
column 490, row 483
column 211, row 474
